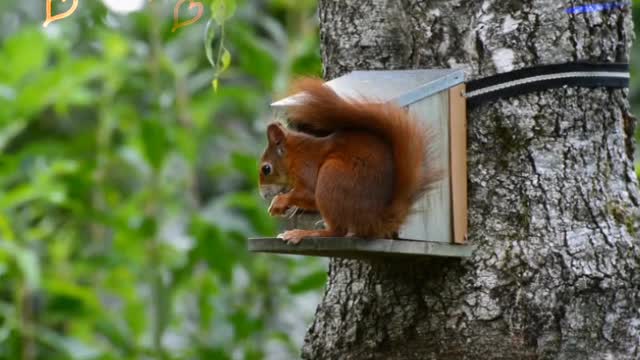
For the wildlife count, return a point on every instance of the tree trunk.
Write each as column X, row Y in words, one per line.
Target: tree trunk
column 553, row 197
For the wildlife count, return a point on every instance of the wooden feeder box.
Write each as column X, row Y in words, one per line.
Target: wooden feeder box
column 438, row 223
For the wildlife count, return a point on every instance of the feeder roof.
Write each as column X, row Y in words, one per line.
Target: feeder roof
column 403, row 87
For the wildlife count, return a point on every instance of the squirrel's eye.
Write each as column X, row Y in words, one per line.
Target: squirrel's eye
column 266, row 169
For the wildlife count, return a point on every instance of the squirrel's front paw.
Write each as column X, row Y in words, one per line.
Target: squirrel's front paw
column 278, row 206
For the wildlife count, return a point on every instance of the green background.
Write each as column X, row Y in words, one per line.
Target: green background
column 128, row 186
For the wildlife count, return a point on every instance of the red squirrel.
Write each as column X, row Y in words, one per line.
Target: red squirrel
column 363, row 177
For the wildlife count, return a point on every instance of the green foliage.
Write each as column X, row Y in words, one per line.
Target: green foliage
column 221, row 12
column 128, row 186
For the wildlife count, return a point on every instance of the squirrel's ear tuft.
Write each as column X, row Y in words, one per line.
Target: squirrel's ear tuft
column 275, row 133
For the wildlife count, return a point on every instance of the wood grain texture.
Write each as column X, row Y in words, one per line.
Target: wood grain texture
column 431, row 219
column 360, row 248
column 458, row 159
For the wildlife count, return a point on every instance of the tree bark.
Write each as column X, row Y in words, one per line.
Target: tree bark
column 553, row 198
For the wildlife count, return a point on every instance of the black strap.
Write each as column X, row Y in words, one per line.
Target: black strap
column 538, row 78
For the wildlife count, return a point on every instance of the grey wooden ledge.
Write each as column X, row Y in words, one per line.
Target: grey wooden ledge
column 359, row 248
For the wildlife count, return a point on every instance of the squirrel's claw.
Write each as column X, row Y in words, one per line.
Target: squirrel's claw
column 290, row 237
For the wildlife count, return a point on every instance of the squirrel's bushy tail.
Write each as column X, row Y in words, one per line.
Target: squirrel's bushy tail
column 322, row 110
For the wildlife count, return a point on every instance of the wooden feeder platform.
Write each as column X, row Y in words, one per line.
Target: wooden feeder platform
column 345, row 247
column 435, row 98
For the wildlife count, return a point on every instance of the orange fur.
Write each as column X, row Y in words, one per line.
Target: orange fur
column 363, row 177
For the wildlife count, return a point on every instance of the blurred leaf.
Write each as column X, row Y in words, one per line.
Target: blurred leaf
column 155, row 142
column 222, row 10
column 71, row 347
column 117, row 337
column 213, row 353
column 254, row 209
column 310, row 282
column 68, row 299
column 25, row 260
column 115, row 46
column 247, row 164
column 244, row 324
column 22, row 54
column 253, row 54
column 9, row 132
column 63, row 86
column 210, row 34
column 213, row 248
column 226, row 60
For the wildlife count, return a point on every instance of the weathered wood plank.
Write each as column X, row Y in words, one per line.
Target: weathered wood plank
column 458, row 175
column 431, row 216
column 360, row 248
